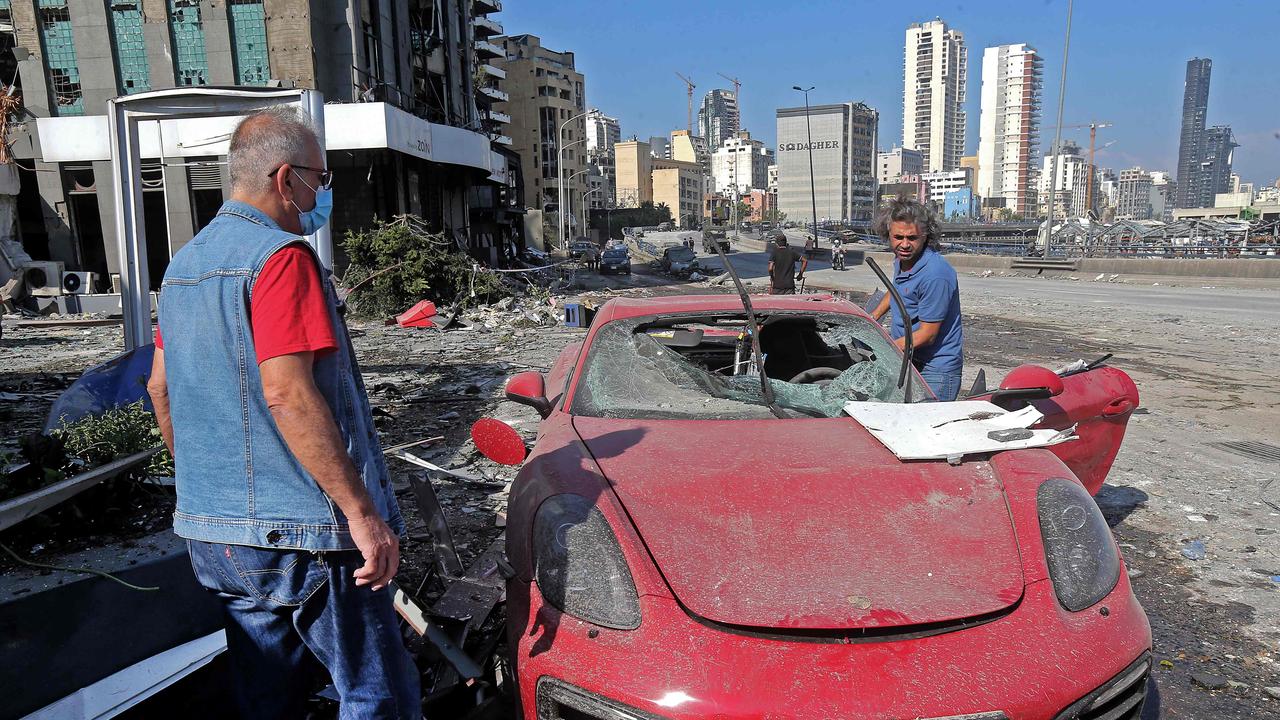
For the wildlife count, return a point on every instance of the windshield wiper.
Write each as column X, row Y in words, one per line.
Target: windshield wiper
column 752, row 327
column 904, row 377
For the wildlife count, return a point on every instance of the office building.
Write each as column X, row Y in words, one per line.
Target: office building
column 892, row 165
column 660, row 147
column 1133, row 200
column 1069, row 176
column 740, row 165
column 1161, row 195
column 844, row 162
column 1190, row 192
column 546, row 101
column 603, row 132
column 442, row 152
column 933, row 115
column 938, row 184
column 1214, row 175
column 718, row 118
column 1009, row 127
column 643, row 178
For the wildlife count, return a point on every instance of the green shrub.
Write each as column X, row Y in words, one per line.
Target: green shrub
column 396, row 264
column 117, row 433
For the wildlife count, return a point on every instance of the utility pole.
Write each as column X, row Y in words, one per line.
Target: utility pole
column 691, row 86
column 1057, row 136
column 813, row 192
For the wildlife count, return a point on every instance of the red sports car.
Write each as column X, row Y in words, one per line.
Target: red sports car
column 686, row 546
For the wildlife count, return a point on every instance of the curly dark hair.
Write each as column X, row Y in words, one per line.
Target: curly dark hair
column 909, row 210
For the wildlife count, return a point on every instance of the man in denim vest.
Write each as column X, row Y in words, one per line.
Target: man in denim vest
column 283, row 494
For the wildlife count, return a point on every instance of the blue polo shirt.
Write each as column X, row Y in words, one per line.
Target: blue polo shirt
column 932, row 294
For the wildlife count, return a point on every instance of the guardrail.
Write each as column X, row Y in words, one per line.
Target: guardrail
column 1132, row 250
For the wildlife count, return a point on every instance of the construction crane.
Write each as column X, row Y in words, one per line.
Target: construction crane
column 691, row 86
column 1093, row 137
column 737, row 96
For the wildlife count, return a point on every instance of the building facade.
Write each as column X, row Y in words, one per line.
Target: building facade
column 936, row 75
column 545, row 97
column 1161, row 195
column 844, row 162
column 418, row 70
column 1070, row 185
column 1009, row 127
column 643, row 178
column 938, row 184
column 762, row 204
column 1133, row 196
column 741, row 165
column 1216, row 154
column 1190, row 192
column 603, row 132
column 718, row 118
column 892, row 165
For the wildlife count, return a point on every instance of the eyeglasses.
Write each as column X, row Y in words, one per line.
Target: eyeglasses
column 326, row 176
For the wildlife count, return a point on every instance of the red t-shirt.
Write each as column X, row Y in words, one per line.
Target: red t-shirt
column 289, row 313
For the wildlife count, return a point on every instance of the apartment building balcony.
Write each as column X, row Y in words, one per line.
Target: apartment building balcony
column 502, row 140
column 486, row 27
column 486, row 49
column 484, row 7
column 493, row 72
column 493, row 93
column 499, row 117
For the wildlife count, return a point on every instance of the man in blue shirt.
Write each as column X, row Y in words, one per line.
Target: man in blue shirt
column 929, row 289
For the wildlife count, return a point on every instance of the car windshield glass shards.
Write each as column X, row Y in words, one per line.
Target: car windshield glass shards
column 680, row 254
column 700, row 367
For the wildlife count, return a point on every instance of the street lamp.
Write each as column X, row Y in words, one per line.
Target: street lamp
column 813, row 193
column 561, row 195
column 582, row 207
column 566, row 214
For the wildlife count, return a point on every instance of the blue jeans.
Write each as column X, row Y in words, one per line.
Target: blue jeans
column 284, row 609
column 946, row 385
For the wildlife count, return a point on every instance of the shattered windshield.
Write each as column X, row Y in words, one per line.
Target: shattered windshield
column 700, row 367
column 680, row 255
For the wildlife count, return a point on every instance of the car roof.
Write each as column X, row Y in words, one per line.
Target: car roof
column 623, row 308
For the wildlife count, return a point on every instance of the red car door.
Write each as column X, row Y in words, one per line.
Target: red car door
column 1099, row 403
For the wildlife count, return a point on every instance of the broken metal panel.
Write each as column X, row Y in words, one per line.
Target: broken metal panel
column 422, row 625
column 473, row 597
column 446, row 557
column 17, row 509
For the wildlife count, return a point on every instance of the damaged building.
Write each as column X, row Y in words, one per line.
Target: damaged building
column 408, row 87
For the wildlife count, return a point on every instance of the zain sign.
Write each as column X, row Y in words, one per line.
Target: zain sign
column 818, row 145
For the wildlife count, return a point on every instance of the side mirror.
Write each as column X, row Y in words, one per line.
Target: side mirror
column 498, row 441
column 528, row 388
column 1025, row 377
column 1025, row 383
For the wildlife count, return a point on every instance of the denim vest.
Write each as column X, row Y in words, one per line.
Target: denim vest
column 237, row 480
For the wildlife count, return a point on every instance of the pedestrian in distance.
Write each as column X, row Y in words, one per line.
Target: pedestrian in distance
column 283, row 495
column 782, row 266
column 837, row 253
column 930, row 291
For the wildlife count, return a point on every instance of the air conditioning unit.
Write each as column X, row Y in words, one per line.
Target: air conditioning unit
column 77, row 282
column 43, row 278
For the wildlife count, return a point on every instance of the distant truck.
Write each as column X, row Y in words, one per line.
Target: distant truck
column 712, row 238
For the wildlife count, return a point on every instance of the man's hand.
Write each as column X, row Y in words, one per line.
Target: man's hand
column 380, row 548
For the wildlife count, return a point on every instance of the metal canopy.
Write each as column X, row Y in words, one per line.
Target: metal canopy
column 124, row 114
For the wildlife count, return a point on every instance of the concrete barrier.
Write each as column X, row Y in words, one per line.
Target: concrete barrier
column 1256, row 268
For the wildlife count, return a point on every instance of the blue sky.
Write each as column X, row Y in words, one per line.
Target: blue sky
column 1127, row 63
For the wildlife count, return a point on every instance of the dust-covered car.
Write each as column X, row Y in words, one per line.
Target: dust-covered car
column 615, row 259
column 704, row 530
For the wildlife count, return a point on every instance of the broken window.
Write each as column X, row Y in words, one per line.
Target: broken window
column 700, row 367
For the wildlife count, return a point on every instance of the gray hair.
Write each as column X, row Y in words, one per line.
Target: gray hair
column 908, row 210
column 263, row 142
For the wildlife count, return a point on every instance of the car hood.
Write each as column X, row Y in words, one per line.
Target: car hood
column 809, row 524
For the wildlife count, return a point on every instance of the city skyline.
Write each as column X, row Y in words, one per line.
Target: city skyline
column 1127, row 66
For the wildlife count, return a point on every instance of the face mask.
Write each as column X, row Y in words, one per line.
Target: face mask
column 315, row 218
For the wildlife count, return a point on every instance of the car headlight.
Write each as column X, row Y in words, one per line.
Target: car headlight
column 1084, row 563
column 579, row 565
